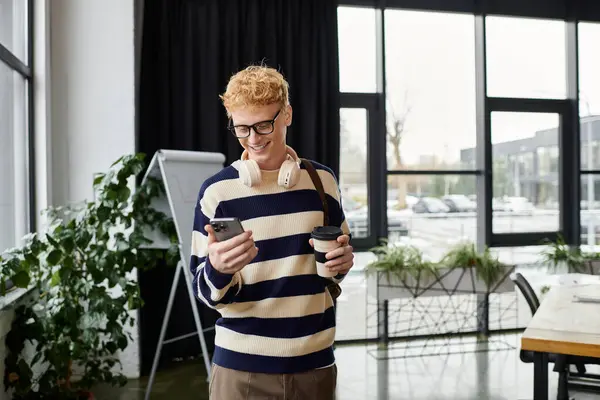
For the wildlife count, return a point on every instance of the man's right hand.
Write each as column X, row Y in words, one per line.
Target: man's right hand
column 233, row 254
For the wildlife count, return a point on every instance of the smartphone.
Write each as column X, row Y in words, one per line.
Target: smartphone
column 226, row 228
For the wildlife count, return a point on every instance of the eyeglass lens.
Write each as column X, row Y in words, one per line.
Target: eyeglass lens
column 261, row 128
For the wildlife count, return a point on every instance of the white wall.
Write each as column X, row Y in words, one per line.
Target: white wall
column 92, row 101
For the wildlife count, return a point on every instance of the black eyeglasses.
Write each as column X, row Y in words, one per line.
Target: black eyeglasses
column 262, row 128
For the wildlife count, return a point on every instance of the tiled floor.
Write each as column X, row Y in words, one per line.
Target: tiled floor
column 461, row 369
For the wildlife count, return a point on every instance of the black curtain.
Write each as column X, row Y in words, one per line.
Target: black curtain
column 190, row 48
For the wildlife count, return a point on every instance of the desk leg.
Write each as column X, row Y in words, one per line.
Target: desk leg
column 540, row 376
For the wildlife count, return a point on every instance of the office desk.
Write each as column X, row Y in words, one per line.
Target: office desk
column 565, row 326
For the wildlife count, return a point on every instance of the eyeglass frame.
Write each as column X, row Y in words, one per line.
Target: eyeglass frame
column 252, row 127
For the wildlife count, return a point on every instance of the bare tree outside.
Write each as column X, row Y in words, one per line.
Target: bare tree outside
column 395, row 133
column 353, row 157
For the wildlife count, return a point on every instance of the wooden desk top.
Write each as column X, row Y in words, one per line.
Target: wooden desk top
column 565, row 326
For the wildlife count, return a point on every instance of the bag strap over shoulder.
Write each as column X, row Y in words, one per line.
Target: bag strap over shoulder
column 334, row 289
column 314, row 176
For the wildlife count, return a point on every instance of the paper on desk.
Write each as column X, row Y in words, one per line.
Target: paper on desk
column 582, row 298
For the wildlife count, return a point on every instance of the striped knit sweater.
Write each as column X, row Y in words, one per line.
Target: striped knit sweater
column 276, row 313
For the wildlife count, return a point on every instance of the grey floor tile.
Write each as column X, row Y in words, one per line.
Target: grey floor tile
column 461, row 369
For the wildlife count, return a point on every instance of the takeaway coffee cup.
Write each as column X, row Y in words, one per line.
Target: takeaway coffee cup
column 325, row 240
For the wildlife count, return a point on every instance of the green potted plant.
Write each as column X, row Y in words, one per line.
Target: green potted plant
column 401, row 271
column 489, row 272
column 402, row 262
column 561, row 257
column 399, row 266
column 81, row 270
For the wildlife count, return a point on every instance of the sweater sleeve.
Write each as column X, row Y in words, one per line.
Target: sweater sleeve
column 212, row 287
column 344, row 226
column 338, row 217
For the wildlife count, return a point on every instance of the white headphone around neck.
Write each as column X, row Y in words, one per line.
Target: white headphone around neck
column 289, row 172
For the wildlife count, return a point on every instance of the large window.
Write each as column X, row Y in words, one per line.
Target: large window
column 430, row 118
column 589, row 112
column 525, row 57
column 527, row 116
column 440, row 213
column 461, row 126
column 430, row 81
column 525, row 190
column 15, row 129
column 357, row 53
column 353, row 169
column 13, row 27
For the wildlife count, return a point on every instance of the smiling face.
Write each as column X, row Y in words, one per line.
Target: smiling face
column 254, row 95
column 268, row 150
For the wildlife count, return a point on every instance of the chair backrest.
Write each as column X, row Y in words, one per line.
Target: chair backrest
column 527, row 291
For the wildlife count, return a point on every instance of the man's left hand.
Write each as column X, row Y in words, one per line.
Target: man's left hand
column 342, row 258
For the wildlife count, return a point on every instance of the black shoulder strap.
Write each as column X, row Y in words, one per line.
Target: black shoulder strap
column 314, row 176
column 334, row 289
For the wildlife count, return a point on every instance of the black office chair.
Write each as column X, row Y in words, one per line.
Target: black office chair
column 561, row 362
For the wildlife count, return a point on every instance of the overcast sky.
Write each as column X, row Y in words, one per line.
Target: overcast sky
column 430, row 67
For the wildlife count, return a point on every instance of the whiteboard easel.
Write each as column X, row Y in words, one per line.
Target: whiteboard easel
column 182, row 173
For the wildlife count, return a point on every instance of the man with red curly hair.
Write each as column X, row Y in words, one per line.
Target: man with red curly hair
column 275, row 336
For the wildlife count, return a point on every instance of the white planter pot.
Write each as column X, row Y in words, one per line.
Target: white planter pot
column 449, row 281
column 395, row 288
column 592, row 268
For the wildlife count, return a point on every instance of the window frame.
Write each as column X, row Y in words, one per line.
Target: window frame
column 589, row 174
column 569, row 151
column 580, row 10
column 25, row 70
column 568, row 109
column 561, row 108
column 376, row 218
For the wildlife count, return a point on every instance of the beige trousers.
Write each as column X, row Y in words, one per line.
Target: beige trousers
column 229, row 384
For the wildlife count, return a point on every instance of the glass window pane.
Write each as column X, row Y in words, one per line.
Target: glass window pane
column 528, row 258
column 353, row 169
column 525, row 58
column 589, row 95
column 13, row 158
column 357, row 49
column 352, row 309
column 13, row 27
column 590, row 210
column 440, row 212
column 528, row 261
column 356, row 313
column 430, row 75
column 590, row 143
column 525, row 172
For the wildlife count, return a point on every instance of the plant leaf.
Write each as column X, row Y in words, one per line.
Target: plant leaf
column 54, row 257
column 111, row 347
column 55, row 278
column 21, row 279
column 98, row 179
column 124, row 193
